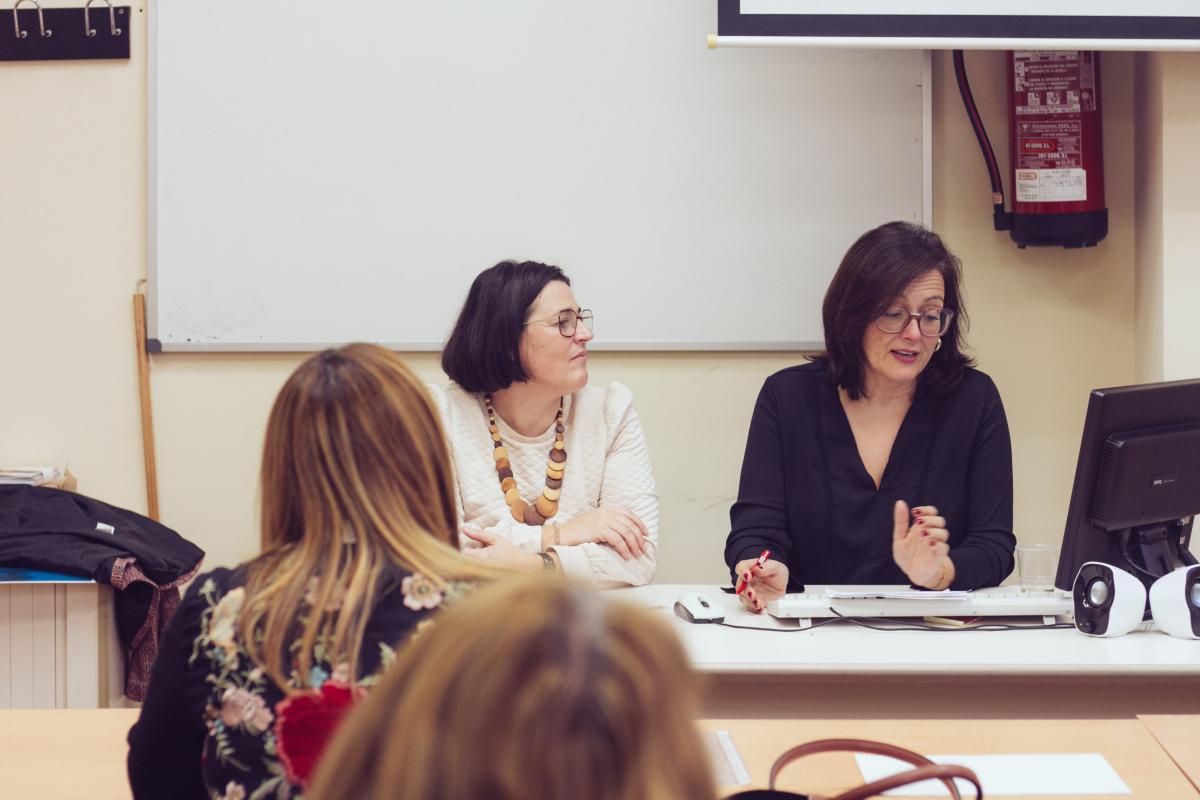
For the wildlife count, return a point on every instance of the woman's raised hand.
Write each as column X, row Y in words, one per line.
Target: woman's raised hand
column 920, row 548
column 615, row 526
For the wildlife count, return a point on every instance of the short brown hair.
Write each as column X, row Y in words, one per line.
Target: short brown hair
column 483, row 353
column 875, row 270
column 531, row 687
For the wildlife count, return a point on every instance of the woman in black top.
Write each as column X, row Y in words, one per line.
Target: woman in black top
column 891, row 415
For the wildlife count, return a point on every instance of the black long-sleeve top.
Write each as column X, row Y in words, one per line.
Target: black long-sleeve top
column 213, row 723
column 805, row 494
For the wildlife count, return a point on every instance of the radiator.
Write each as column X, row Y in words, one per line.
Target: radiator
column 58, row 647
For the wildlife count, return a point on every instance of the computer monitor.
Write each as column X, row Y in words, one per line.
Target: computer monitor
column 1137, row 481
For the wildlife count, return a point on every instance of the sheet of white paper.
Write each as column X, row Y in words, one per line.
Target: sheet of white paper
column 1041, row 773
column 914, row 594
column 728, row 767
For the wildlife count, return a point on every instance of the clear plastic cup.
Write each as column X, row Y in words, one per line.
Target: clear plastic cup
column 1036, row 564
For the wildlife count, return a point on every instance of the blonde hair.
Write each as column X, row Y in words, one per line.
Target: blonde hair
column 531, row 687
column 355, row 475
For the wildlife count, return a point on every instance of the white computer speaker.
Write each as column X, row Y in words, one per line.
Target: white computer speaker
column 1108, row 600
column 1175, row 602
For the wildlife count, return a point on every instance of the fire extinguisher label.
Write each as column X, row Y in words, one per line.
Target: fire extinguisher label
column 1053, row 82
column 1051, row 185
column 1052, row 89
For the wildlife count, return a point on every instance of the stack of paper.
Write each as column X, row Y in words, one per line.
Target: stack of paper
column 31, row 476
column 905, row 594
column 728, row 767
column 1015, row 774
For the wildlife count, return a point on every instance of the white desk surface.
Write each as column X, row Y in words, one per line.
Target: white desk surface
column 843, row 648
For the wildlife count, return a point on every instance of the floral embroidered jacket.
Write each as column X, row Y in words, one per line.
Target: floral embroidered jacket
column 215, row 726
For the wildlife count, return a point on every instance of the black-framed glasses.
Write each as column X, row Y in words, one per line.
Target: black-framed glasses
column 932, row 322
column 568, row 320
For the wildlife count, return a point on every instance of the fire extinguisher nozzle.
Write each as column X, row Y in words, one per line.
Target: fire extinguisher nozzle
column 1001, row 218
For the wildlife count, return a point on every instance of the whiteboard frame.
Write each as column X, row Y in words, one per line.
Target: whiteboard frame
column 914, row 43
column 155, row 345
column 152, row 173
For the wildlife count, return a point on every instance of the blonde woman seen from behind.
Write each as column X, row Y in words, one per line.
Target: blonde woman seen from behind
column 533, row 687
column 359, row 544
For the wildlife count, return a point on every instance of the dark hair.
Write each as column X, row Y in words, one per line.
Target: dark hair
column 483, row 353
column 873, row 272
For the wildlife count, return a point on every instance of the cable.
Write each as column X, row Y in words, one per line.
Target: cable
column 814, row 626
column 1127, row 553
column 1001, row 219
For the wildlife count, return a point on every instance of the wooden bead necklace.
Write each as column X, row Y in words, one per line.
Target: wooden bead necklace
column 546, row 506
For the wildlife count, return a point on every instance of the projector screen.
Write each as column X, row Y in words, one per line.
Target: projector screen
column 1096, row 24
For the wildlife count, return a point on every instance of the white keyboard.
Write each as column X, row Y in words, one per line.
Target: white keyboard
column 816, row 601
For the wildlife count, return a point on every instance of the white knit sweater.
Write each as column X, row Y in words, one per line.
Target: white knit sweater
column 607, row 465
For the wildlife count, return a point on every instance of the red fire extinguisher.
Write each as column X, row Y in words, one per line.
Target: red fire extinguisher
column 1056, row 148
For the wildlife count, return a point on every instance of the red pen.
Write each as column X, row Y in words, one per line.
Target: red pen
column 742, row 581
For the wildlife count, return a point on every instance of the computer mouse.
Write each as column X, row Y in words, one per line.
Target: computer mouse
column 697, row 607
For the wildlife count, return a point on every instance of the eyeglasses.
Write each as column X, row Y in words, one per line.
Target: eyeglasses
column 568, row 320
column 932, row 322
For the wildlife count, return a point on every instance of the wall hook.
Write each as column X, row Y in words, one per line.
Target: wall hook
column 112, row 19
column 46, row 32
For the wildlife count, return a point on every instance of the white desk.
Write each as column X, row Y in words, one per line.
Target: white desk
column 841, row 670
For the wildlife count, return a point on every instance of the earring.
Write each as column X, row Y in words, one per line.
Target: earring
column 937, row 346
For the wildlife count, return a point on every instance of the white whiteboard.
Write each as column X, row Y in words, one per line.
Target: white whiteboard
column 323, row 173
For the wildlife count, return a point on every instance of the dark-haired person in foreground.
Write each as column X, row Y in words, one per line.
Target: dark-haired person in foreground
column 887, row 459
column 551, row 473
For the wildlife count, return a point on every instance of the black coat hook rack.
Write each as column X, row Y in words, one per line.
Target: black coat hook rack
column 29, row 32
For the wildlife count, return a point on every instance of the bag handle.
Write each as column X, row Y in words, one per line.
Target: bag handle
column 946, row 773
column 925, row 769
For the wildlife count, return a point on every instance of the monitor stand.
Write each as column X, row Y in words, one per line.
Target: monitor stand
column 1152, row 551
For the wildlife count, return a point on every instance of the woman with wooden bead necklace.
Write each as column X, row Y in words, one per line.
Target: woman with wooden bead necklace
column 551, row 473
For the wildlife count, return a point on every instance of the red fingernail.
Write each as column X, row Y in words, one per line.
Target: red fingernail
column 916, row 513
column 924, row 533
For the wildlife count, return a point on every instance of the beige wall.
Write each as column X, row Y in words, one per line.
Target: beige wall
column 1179, row 124
column 1148, row 212
column 1167, row 92
column 72, row 223
column 1048, row 325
